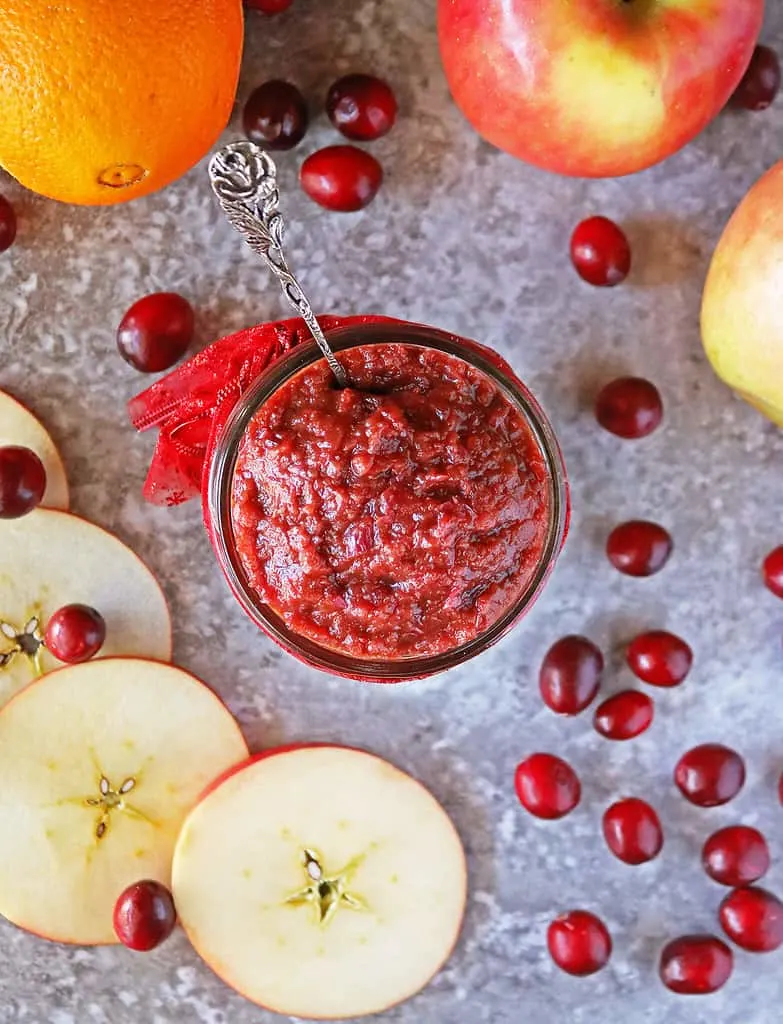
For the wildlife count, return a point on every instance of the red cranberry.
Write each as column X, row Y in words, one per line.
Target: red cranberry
column 7, row 224
column 600, row 252
column 22, row 481
column 269, row 6
column 156, row 332
column 736, row 856
column 362, row 107
column 75, row 633
column 275, row 115
column 753, row 918
column 710, row 775
column 570, row 675
column 696, row 965
column 579, row 943
column 761, row 82
column 659, row 658
column 547, row 786
column 341, row 178
column 144, row 916
column 639, row 548
column 629, row 407
column 624, row 715
column 632, row 831
column 772, row 571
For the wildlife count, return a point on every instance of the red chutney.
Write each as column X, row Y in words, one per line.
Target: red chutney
column 392, row 524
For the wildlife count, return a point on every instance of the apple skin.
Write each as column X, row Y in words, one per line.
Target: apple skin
column 742, row 314
column 595, row 88
column 286, row 748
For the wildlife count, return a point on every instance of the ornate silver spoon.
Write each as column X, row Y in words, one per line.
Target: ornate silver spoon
column 244, row 179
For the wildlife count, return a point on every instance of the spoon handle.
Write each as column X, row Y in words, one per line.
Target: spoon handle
column 244, row 179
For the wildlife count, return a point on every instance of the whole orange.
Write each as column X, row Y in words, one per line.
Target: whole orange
column 102, row 101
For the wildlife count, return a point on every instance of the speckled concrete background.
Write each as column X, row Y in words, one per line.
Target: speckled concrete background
column 467, row 239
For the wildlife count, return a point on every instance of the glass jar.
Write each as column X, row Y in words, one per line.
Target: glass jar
column 221, row 475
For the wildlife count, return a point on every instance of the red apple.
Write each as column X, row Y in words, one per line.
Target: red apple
column 741, row 314
column 595, row 88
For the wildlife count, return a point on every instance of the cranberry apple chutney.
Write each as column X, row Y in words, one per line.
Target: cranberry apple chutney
column 398, row 518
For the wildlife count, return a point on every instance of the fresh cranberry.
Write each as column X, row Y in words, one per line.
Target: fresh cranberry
column 624, row 715
column 547, row 786
column 156, row 332
column 341, row 178
column 22, row 481
column 7, row 224
column 632, row 831
column 600, row 252
column 772, row 571
column 639, row 548
column 753, row 918
column 275, row 115
column 144, row 916
column 75, row 633
column 659, row 658
column 710, row 775
column 570, row 675
column 736, row 856
column 696, row 965
column 362, row 107
column 269, row 6
column 629, row 407
column 579, row 943
column 761, row 82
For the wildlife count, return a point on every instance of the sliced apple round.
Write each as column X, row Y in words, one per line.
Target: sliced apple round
column 320, row 882
column 51, row 559
column 99, row 763
column 18, row 426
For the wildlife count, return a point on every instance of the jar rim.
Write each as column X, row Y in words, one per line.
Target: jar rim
column 223, row 464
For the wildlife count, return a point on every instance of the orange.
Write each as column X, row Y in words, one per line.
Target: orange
column 102, row 101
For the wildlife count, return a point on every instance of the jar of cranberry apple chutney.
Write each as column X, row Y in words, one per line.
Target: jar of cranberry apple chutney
column 396, row 528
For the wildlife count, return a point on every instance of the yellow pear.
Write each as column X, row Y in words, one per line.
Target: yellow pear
column 742, row 308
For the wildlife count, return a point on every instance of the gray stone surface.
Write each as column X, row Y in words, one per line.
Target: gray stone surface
column 467, row 239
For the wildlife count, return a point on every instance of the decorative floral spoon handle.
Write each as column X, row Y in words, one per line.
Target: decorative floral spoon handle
column 244, row 179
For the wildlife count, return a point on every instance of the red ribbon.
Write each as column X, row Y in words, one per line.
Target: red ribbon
column 190, row 405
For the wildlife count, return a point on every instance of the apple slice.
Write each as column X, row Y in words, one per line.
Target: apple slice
column 51, row 559
column 320, row 882
column 99, row 763
column 18, row 426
